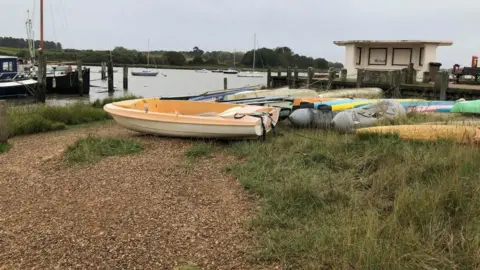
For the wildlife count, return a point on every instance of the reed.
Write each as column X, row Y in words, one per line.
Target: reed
column 30, row 119
column 99, row 103
column 341, row 201
column 91, row 149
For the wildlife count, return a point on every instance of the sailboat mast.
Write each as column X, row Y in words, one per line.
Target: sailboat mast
column 41, row 25
column 254, row 39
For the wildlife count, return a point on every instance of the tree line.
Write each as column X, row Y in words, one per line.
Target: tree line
column 21, row 43
column 279, row 57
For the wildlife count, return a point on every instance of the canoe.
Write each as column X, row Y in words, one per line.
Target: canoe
column 430, row 108
column 353, row 92
column 271, row 93
column 462, row 134
column 220, row 95
column 193, row 119
column 345, row 104
column 299, row 100
column 472, row 106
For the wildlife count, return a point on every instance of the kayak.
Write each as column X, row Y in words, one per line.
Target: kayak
column 472, row 106
column 457, row 133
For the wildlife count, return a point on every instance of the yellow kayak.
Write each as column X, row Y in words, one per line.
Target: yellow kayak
column 461, row 134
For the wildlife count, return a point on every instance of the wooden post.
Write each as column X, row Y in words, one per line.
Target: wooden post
column 125, row 77
column 103, row 71
column 225, row 83
column 441, row 84
column 80, row 77
column 396, row 82
column 343, row 75
column 289, row 77
column 42, row 78
column 110, row 77
column 3, row 121
column 269, row 78
column 309, row 76
column 360, row 76
column 279, row 73
column 295, row 78
column 410, row 74
column 331, row 77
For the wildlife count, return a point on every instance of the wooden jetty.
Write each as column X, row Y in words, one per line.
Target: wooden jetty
column 397, row 83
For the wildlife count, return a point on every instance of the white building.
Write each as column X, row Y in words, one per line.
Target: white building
column 386, row 55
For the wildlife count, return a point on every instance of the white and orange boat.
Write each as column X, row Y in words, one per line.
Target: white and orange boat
column 193, row 119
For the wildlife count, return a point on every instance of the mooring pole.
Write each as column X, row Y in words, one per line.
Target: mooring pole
column 104, row 70
column 125, row 77
column 225, row 84
column 42, row 77
column 110, row 77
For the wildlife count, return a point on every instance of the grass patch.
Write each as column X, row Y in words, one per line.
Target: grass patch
column 30, row 119
column 4, row 147
column 99, row 103
column 337, row 201
column 91, row 149
column 201, row 149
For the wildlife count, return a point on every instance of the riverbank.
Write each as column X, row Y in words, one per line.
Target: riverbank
column 328, row 200
column 152, row 209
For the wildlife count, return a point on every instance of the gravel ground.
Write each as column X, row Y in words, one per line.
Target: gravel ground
column 148, row 210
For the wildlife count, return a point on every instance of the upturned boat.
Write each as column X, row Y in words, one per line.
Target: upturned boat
column 193, row 119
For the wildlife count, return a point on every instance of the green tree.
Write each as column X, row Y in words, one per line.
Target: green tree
column 174, row 58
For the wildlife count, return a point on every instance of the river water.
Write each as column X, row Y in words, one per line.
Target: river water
column 169, row 82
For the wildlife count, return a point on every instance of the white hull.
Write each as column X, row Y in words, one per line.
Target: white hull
column 25, row 83
column 188, row 130
column 250, row 75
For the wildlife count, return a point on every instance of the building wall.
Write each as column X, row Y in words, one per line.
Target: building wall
column 388, row 57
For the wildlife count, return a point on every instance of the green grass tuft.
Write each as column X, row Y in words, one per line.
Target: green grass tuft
column 91, row 149
column 341, row 201
column 4, row 147
column 99, row 103
column 200, row 149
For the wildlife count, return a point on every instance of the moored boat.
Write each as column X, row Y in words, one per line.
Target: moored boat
column 193, row 119
column 13, row 83
column 230, row 71
column 146, row 73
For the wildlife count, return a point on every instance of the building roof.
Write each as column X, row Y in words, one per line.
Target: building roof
column 386, row 42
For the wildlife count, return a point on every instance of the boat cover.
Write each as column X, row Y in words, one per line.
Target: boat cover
column 367, row 116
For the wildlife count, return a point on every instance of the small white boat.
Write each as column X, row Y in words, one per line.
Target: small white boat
column 193, row 119
column 202, row 71
column 250, row 74
column 230, row 71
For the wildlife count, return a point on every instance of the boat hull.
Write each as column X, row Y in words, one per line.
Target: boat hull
column 145, row 74
column 188, row 130
column 166, row 120
column 17, row 88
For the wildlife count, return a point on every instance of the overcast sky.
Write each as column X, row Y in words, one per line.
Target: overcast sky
column 309, row 27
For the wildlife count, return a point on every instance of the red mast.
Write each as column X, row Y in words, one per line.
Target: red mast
column 41, row 25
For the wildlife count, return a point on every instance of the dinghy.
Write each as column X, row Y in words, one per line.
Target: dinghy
column 271, row 93
column 193, row 119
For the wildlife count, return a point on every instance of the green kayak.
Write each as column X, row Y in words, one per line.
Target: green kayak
column 472, row 106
